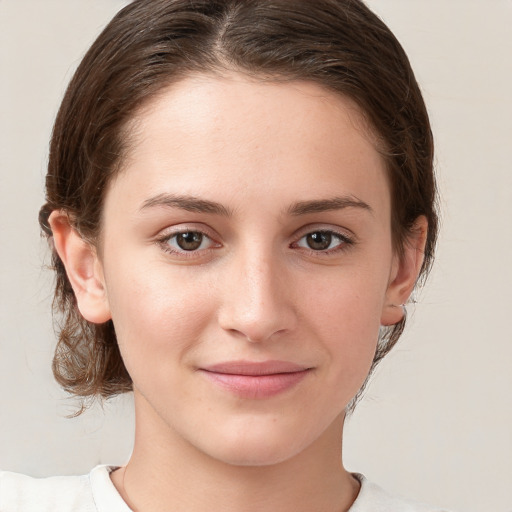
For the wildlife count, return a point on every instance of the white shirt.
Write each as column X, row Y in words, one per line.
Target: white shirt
column 95, row 492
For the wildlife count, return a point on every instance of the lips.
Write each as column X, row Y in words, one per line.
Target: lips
column 255, row 380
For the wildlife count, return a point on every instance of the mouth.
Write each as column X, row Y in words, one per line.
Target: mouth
column 255, row 380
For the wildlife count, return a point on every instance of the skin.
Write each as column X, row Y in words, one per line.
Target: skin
column 254, row 290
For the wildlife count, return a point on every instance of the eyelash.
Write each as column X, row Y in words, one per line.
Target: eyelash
column 163, row 242
column 344, row 243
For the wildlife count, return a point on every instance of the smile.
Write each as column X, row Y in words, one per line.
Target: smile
column 255, row 380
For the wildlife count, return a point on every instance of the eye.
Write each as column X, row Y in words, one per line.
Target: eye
column 323, row 241
column 187, row 241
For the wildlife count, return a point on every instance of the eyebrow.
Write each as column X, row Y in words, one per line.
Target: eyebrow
column 195, row 204
column 325, row 205
column 188, row 203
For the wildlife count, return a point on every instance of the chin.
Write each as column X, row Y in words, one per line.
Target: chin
column 256, row 455
column 258, row 446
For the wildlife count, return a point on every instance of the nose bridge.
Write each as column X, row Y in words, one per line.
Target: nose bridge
column 257, row 303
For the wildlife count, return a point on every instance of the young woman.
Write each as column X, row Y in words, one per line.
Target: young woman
column 240, row 200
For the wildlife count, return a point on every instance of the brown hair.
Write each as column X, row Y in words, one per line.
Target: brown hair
column 339, row 44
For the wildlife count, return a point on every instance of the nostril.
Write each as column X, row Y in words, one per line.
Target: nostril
column 258, row 333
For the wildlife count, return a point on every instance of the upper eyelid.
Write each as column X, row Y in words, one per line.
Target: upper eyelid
column 172, row 236
column 344, row 239
column 164, row 236
column 337, row 234
column 339, row 231
column 171, row 231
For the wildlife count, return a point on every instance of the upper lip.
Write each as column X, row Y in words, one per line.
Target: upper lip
column 255, row 368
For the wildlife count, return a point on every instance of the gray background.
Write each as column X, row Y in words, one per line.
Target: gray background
column 436, row 421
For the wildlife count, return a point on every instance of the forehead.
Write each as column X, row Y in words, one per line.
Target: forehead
column 233, row 134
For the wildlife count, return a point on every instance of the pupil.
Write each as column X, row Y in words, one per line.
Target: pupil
column 189, row 241
column 319, row 241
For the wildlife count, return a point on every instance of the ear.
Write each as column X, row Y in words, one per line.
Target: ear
column 405, row 272
column 83, row 268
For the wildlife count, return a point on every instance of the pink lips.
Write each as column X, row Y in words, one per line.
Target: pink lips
column 255, row 380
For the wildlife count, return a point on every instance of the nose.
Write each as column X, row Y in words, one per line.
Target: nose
column 257, row 303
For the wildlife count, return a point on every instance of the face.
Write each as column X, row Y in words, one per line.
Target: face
column 247, row 264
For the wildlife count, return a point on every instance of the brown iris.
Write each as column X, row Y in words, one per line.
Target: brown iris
column 189, row 241
column 319, row 240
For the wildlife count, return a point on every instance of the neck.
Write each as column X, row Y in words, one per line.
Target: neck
column 166, row 471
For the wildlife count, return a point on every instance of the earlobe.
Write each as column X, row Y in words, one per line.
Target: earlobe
column 83, row 268
column 405, row 273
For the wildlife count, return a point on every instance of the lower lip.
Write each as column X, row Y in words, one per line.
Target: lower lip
column 256, row 386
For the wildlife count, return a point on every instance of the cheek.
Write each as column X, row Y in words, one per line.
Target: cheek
column 155, row 313
column 344, row 312
column 349, row 301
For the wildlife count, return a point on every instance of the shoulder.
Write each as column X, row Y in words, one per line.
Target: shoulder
column 86, row 493
column 372, row 498
column 21, row 493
